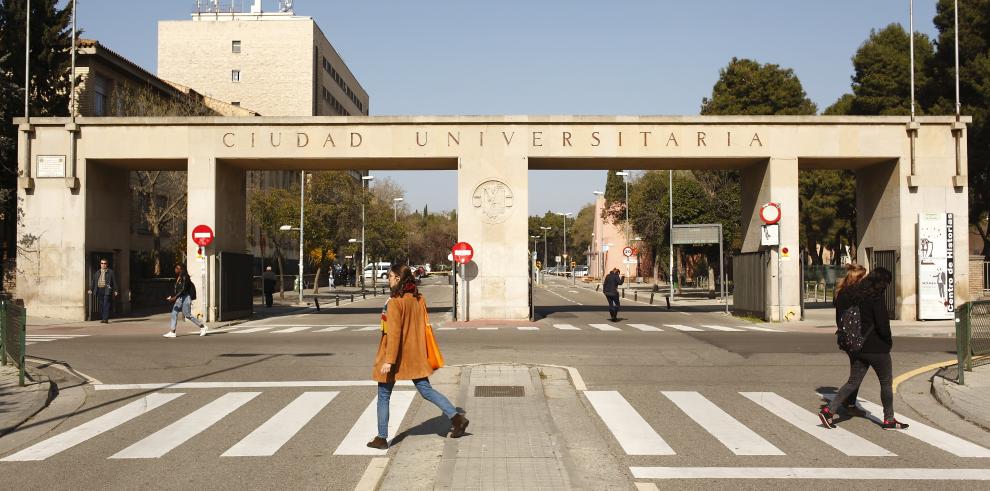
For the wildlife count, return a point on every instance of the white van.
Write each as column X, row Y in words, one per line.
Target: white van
column 381, row 269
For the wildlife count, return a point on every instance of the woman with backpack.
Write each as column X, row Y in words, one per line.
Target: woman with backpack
column 184, row 294
column 868, row 348
column 402, row 353
column 842, row 301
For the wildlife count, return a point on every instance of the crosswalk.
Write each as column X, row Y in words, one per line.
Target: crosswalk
column 30, row 339
column 634, row 434
column 593, row 327
column 309, row 408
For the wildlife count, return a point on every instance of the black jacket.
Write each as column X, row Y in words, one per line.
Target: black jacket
column 611, row 284
column 110, row 280
column 268, row 281
column 873, row 309
column 182, row 285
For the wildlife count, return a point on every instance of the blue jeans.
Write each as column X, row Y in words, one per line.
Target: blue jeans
column 425, row 389
column 183, row 304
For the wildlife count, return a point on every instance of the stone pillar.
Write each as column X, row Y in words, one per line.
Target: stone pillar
column 216, row 198
column 493, row 217
column 775, row 180
column 878, row 224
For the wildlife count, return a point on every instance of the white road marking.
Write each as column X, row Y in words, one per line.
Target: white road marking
column 838, row 438
column 292, row 329
column 646, row 486
column 566, row 327
column 758, row 328
column 446, row 328
column 332, row 329
column 253, row 329
column 563, row 297
column 605, row 327
column 244, row 385
column 487, row 328
column 633, row 433
column 934, row 437
column 92, row 428
column 369, row 328
column 644, row 327
column 528, row 328
column 166, row 439
column 270, row 436
column 372, row 474
column 721, row 328
column 57, row 336
column 841, row 473
column 681, row 327
column 736, row 436
column 366, row 427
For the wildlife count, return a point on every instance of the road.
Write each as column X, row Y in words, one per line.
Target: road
column 286, row 402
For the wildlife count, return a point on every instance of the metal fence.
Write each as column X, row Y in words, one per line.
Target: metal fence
column 972, row 335
column 13, row 328
column 749, row 283
column 986, row 278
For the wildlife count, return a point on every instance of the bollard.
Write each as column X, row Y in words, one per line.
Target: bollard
column 597, row 287
column 352, row 298
column 668, row 302
column 364, row 295
column 636, row 296
column 651, row 297
column 316, row 300
column 337, row 299
column 623, row 293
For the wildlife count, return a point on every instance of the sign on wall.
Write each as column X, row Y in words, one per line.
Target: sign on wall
column 51, row 166
column 936, row 266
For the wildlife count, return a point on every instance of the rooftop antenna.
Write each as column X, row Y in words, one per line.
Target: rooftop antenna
column 285, row 6
column 256, row 8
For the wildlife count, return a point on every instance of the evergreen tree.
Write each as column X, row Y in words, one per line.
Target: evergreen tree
column 881, row 83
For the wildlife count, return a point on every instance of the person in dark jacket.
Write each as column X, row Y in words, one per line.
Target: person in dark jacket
column 104, row 284
column 868, row 295
column 268, row 286
column 183, row 297
column 610, row 287
column 842, row 301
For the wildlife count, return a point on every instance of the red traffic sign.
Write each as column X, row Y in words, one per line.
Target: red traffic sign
column 628, row 252
column 462, row 252
column 202, row 235
column 770, row 213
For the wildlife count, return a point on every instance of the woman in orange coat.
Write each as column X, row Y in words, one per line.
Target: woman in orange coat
column 402, row 353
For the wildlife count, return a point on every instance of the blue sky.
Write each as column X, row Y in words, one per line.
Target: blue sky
column 463, row 57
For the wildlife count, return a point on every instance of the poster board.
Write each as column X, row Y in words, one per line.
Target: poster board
column 936, row 267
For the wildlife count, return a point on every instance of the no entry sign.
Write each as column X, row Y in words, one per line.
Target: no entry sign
column 462, row 252
column 202, row 235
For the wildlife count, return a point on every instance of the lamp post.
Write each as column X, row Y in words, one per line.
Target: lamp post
column 625, row 179
column 395, row 208
column 364, row 179
column 535, row 272
column 546, row 259
column 566, row 264
column 286, row 228
column 601, row 238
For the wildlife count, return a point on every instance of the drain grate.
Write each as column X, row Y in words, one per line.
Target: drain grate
column 499, row 391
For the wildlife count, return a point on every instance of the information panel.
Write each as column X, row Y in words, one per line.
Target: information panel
column 936, row 267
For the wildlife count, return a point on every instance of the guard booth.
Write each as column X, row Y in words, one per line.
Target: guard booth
column 703, row 234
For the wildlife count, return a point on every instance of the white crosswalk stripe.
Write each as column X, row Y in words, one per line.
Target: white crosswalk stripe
column 937, row 438
column 92, row 428
column 165, row 440
column 253, row 329
column 528, row 328
column 605, row 327
column 30, row 339
column 736, row 436
column 566, row 327
column 292, row 329
column 269, row 437
column 645, row 327
column 838, row 438
column 721, row 328
column 681, row 327
column 634, row 434
column 764, row 329
column 332, row 329
column 355, row 443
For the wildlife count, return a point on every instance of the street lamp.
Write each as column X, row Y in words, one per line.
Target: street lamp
column 565, row 215
column 546, row 259
column 364, row 179
column 600, row 256
column 287, row 228
column 534, row 237
column 395, row 208
column 625, row 179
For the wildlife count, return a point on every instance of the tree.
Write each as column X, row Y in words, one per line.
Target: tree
column 333, row 201
column 49, row 96
column 580, row 232
column 881, row 83
column 974, row 88
column 615, row 197
column 271, row 208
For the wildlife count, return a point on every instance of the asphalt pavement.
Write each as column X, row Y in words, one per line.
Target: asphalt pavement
column 680, row 399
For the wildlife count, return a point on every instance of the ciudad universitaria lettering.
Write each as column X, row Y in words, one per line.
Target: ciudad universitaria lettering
column 533, row 139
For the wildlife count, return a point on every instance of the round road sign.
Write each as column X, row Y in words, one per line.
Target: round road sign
column 628, row 252
column 770, row 213
column 202, row 235
column 463, row 252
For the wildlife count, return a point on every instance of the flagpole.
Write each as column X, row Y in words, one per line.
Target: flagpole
column 955, row 11
column 72, row 73
column 27, row 63
column 911, row 44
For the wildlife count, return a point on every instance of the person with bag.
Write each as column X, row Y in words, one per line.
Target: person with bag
column 185, row 293
column 408, row 351
column 842, row 301
column 864, row 333
column 610, row 287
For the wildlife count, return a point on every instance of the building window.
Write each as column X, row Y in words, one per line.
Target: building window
column 235, row 103
column 235, row 46
column 235, row 75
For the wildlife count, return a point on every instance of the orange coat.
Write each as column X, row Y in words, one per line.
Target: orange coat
column 404, row 345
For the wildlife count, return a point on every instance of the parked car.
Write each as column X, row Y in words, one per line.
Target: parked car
column 381, row 269
column 580, row 271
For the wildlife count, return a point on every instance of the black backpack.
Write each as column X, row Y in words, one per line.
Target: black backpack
column 850, row 335
column 191, row 289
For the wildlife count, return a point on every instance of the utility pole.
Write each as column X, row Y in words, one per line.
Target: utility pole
column 302, row 223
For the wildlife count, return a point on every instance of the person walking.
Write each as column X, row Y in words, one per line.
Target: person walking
column 104, row 283
column 842, row 301
column 610, row 287
column 185, row 293
column 868, row 297
column 268, row 286
column 402, row 353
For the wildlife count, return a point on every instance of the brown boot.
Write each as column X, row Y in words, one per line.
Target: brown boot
column 379, row 443
column 459, row 425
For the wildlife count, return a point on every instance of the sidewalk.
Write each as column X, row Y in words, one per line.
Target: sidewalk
column 823, row 320
column 970, row 401
column 19, row 404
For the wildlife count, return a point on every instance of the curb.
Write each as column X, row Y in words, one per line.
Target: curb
column 944, row 397
column 41, row 398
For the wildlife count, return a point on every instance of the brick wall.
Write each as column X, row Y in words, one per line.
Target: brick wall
column 977, row 282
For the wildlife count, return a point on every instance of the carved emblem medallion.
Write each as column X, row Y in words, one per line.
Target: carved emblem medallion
column 494, row 199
